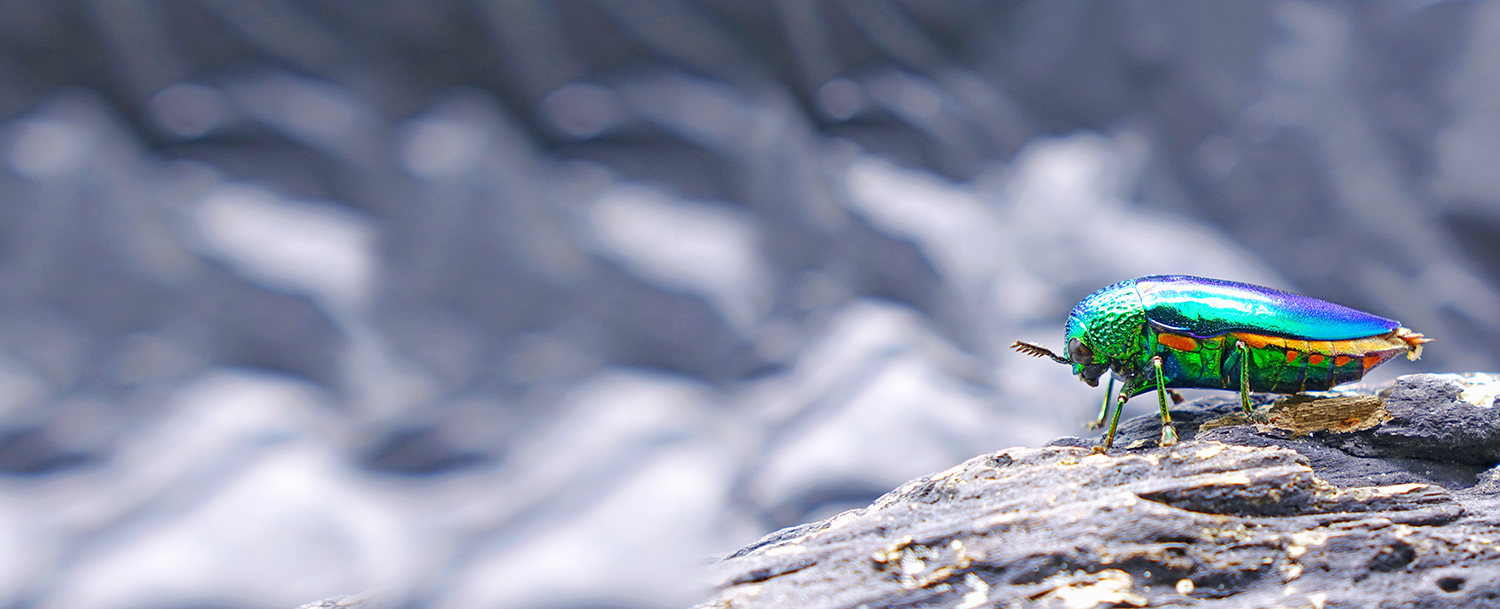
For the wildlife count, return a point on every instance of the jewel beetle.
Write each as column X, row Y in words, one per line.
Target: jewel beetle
column 1178, row 331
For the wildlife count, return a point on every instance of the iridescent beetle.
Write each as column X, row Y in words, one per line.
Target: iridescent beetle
column 1190, row 332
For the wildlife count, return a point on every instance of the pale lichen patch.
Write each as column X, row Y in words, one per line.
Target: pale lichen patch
column 1480, row 389
column 1304, row 414
column 978, row 593
column 1300, row 541
column 788, row 549
column 919, row 566
column 1209, row 451
column 1110, row 588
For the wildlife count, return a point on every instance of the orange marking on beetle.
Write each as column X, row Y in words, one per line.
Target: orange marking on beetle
column 1341, row 360
column 1291, row 356
column 1178, row 342
column 1315, row 359
column 1370, row 361
column 1255, row 341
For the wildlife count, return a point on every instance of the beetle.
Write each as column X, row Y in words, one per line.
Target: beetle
column 1178, row 331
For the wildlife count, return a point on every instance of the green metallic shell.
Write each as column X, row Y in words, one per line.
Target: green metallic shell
column 1210, row 307
column 1111, row 322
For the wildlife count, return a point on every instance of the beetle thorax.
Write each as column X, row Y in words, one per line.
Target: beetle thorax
column 1111, row 322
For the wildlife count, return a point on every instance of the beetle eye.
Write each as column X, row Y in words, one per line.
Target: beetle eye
column 1079, row 352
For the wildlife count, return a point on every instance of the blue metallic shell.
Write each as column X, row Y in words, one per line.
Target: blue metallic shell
column 1210, row 307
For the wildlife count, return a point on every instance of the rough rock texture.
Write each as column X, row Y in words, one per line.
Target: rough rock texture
column 373, row 599
column 1371, row 497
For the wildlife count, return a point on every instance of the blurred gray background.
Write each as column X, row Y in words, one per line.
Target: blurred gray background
column 547, row 304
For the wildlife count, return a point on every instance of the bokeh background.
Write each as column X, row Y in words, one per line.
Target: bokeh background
column 546, row 305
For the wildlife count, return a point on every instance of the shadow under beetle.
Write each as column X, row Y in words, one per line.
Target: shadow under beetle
column 1166, row 331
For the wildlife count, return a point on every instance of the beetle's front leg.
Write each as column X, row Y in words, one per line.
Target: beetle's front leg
column 1168, row 433
column 1109, row 395
column 1114, row 422
column 1245, row 383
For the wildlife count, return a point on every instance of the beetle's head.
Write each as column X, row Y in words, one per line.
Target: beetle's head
column 1100, row 333
column 1088, row 362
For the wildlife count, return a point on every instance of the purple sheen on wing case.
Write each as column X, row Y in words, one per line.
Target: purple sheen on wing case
column 1210, row 307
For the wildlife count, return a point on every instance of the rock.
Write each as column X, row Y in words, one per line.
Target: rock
column 365, row 600
column 1429, row 428
column 1345, row 499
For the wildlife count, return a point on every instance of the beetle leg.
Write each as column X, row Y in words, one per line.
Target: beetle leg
column 1114, row 422
column 1168, row 433
column 1109, row 394
column 1245, row 383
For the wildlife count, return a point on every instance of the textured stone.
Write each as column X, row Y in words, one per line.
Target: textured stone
column 1343, row 502
column 366, row 600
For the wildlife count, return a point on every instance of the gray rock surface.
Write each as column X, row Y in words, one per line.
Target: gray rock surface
column 1377, row 496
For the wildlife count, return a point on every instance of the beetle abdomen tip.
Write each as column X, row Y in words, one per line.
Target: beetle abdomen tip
column 1413, row 340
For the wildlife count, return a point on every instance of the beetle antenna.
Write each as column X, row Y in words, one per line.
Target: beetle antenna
column 1036, row 350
